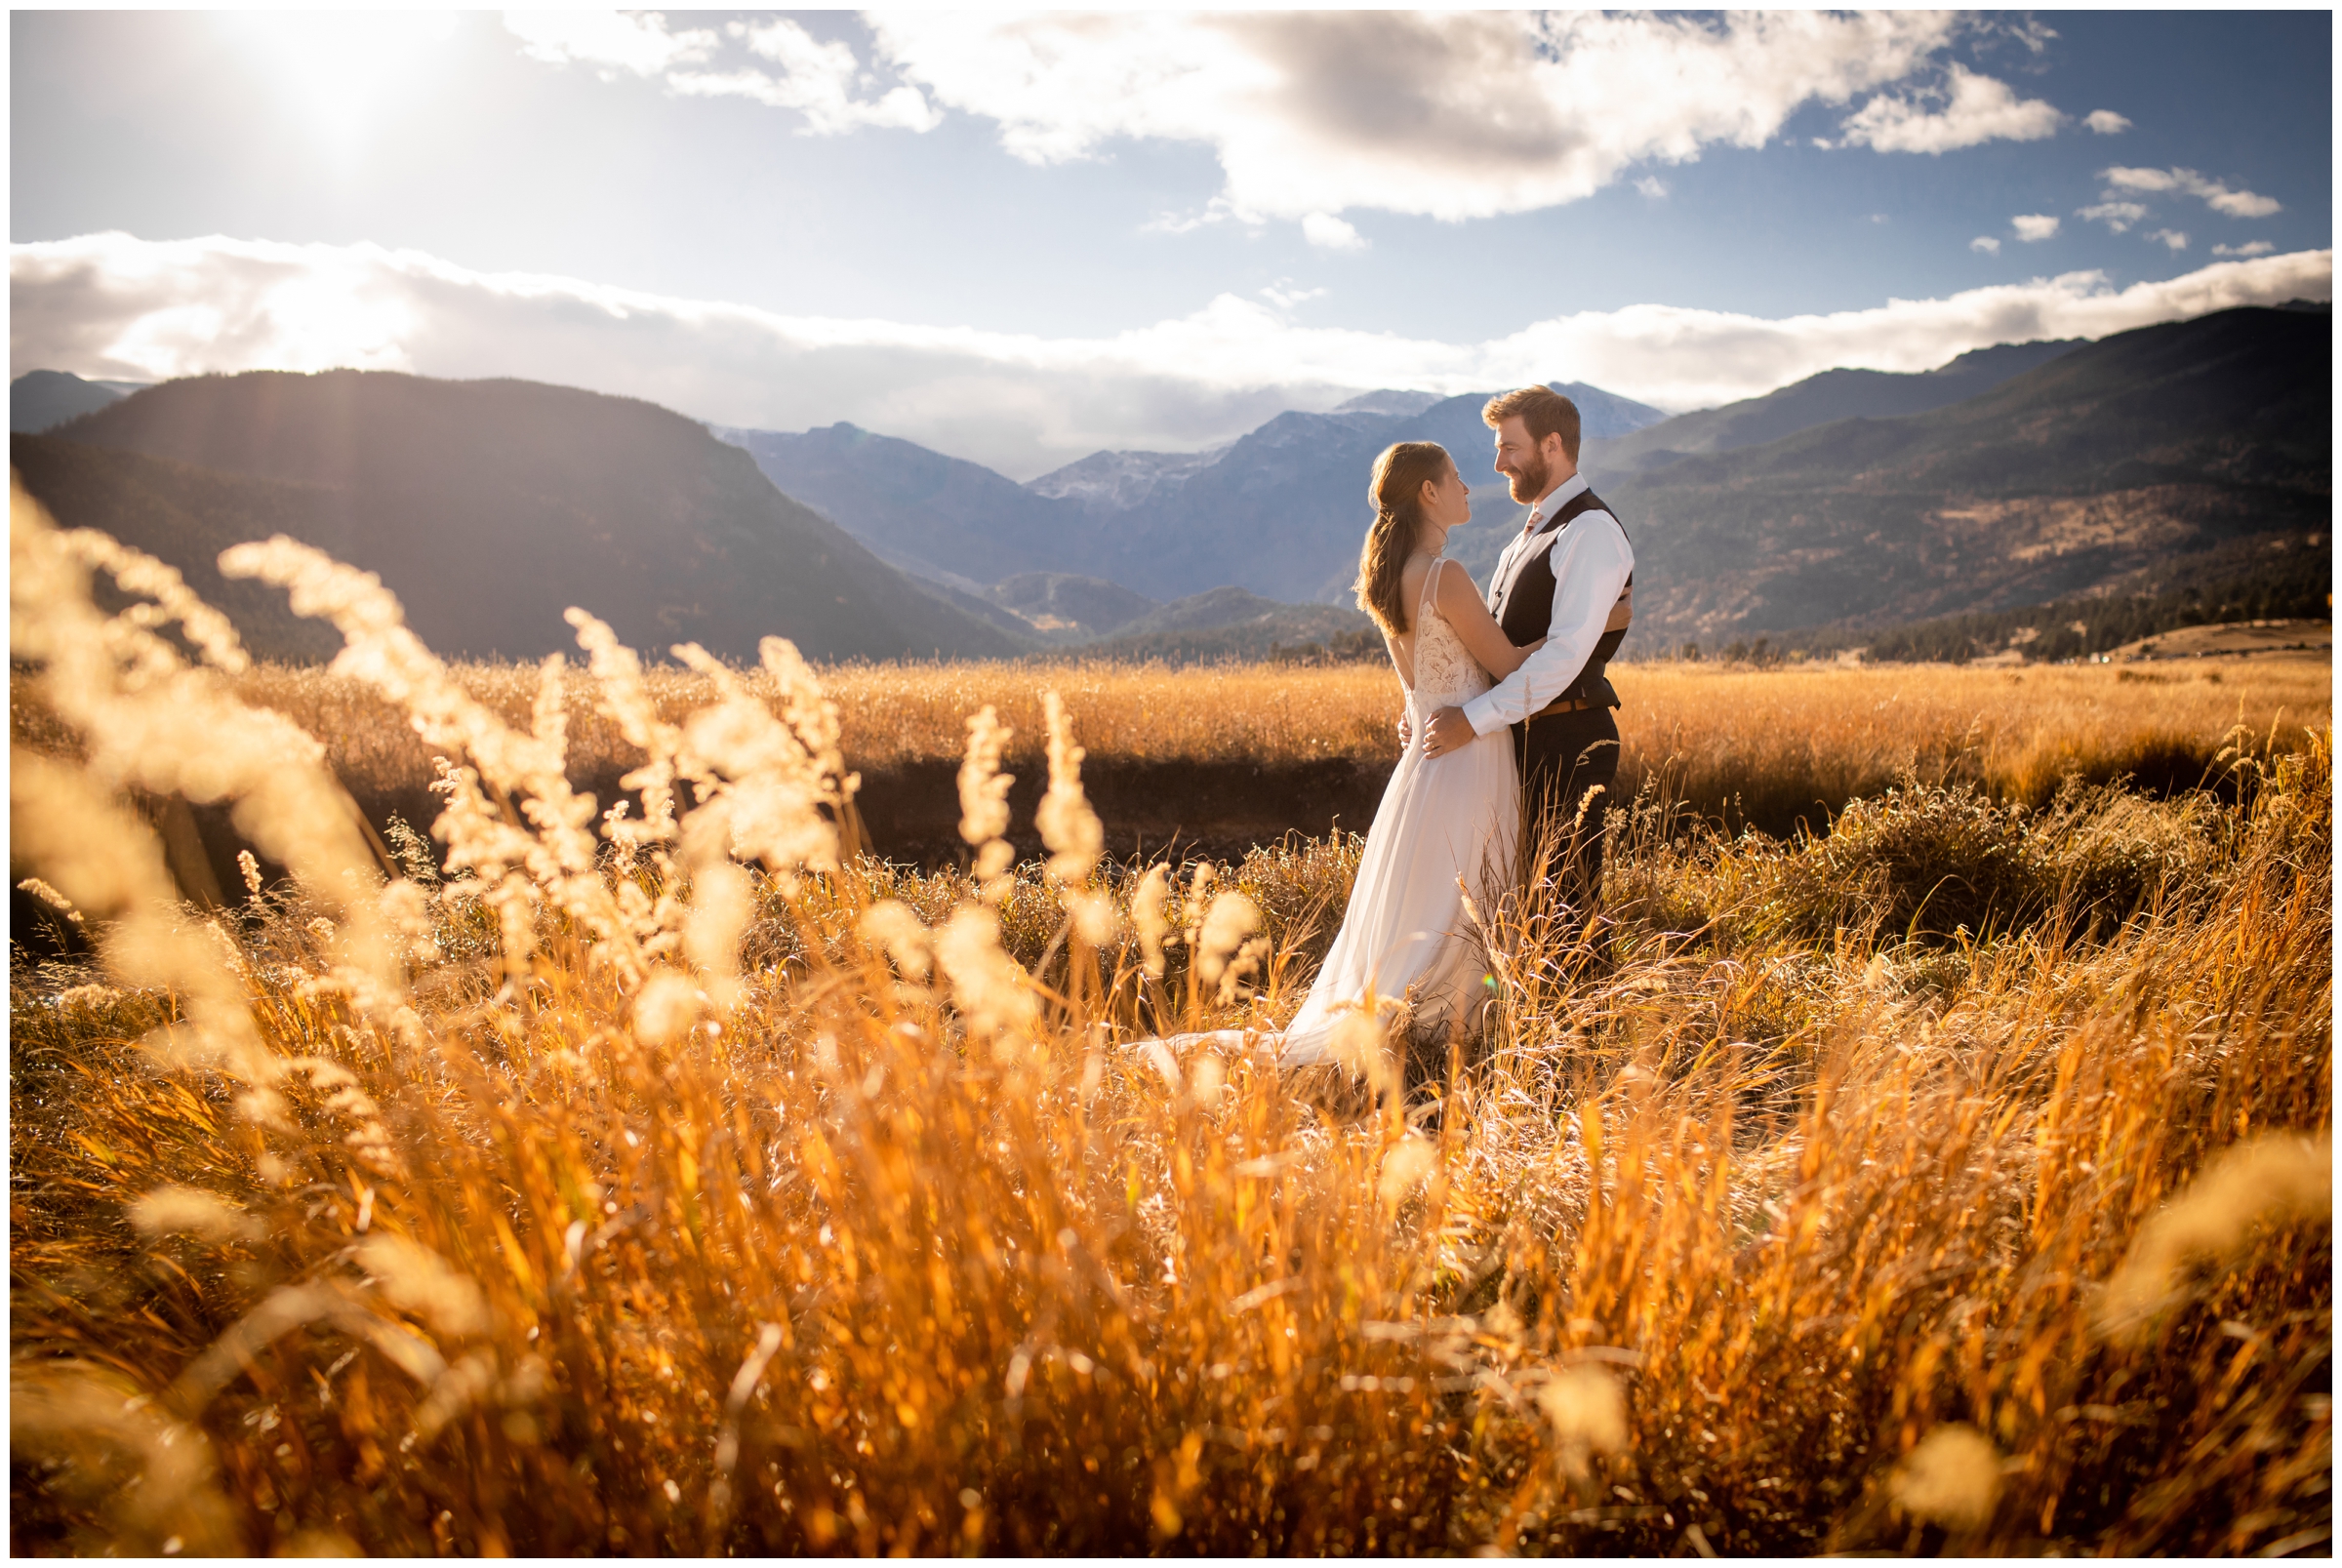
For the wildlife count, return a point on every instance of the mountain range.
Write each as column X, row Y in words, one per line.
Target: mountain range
column 1277, row 512
column 2015, row 475
column 489, row 507
column 1281, row 510
column 2150, row 445
column 2018, row 473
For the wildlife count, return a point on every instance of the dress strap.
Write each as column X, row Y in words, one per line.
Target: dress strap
column 1430, row 582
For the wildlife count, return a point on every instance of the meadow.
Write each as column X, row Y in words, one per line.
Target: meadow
column 1225, row 756
column 675, row 1179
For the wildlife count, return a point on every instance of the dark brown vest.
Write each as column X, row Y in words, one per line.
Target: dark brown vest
column 1526, row 610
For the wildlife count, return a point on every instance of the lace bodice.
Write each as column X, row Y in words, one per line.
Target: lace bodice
column 1445, row 675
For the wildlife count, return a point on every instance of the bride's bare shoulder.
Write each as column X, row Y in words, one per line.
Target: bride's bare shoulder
column 1458, row 591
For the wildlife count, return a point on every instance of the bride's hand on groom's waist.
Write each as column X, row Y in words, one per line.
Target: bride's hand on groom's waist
column 1448, row 731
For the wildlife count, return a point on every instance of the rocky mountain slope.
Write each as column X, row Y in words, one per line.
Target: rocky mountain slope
column 2151, row 445
column 1834, row 394
column 1068, row 605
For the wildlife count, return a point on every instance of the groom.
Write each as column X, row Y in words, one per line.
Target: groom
column 1568, row 577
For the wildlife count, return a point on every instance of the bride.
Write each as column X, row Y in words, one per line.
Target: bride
column 1446, row 825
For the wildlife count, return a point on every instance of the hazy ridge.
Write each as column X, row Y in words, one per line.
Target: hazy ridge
column 490, row 508
column 2022, row 475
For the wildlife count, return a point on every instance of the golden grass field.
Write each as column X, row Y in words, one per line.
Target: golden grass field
column 1773, row 745
column 1957, row 1181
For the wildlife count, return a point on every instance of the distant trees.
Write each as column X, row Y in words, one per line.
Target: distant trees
column 2296, row 586
column 1363, row 646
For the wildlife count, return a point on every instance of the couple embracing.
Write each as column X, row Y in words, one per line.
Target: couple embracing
column 1508, row 746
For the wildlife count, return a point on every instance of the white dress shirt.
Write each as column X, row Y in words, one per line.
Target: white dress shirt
column 1592, row 562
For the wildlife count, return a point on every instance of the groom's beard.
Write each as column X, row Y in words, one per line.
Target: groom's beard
column 1529, row 480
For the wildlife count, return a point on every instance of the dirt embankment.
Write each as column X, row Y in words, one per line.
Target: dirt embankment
column 910, row 813
column 1215, row 762
column 910, row 810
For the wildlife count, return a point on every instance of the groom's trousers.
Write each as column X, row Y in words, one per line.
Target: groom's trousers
column 1568, row 773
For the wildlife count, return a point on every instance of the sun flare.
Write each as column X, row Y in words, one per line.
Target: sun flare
column 336, row 67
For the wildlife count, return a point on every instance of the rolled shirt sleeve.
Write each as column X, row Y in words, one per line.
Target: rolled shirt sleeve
column 1592, row 562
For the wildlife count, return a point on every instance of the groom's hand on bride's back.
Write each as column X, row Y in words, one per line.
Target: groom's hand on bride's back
column 1406, row 732
column 1448, row 731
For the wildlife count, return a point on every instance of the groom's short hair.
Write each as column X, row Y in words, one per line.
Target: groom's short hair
column 1543, row 411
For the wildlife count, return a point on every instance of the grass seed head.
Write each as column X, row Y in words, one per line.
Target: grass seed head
column 419, row 1281
column 984, row 794
column 1147, row 906
column 2276, row 1179
column 991, row 992
column 666, row 1008
column 1586, row 1411
column 897, row 928
column 1231, row 919
column 1405, row 1164
column 1068, row 827
column 51, row 897
column 175, row 1209
column 1952, row 1478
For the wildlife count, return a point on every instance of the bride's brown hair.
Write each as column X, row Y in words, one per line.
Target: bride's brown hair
column 1396, row 491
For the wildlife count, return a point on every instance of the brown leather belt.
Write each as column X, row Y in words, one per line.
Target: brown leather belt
column 1565, row 705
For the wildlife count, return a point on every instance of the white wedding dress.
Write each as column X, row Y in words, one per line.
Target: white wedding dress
column 1446, row 825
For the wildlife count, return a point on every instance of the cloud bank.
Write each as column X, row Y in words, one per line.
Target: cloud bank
column 1312, row 114
column 114, row 306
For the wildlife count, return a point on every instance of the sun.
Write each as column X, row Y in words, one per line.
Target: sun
column 340, row 69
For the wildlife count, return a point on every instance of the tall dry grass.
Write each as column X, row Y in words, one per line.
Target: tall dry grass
column 827, row 1211
column 1768, row 746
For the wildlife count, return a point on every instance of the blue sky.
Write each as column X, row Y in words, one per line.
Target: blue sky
column 1020, row 237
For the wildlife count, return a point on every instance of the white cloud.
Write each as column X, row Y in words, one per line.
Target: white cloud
column 2174, row 238
column 1651, row 185
column 817, row 79
column 2187, row 182
column 1214, row 211
column 1285, row 294
column 1975, row 109
column 2118, row 215
column 1451, row 115
column 2033, row 227
column 2105, row 122
column 1330, row 233
column 1445, row 114
column 610, row 41
column 2034, row 34
column 109, row 305
column 2240, row 203
column 1985, row 243
column 2256, row 247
